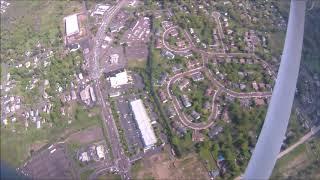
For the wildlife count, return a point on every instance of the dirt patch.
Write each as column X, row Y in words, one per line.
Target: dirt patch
column 297, row 163
column 159, row 166
column 37, row 145
column 89, row 135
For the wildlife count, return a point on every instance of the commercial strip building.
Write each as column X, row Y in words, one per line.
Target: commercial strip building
column 72, row 25
column 119, row 79
column 144, row 123
column 100, row 10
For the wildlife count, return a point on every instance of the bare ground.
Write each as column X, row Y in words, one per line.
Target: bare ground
column 89, row 135
column 159, row 166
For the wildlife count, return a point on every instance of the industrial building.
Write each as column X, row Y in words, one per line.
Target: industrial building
column 119, row 79
column 72, row 25
column 144, row 123
column 100, row 152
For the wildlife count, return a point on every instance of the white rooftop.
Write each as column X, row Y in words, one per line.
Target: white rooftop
column 72, row 26
column 100, row 151
column 114, row 58
column 119, row 79
column 144, row 123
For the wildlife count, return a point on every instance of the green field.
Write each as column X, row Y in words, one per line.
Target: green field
column 28, row 22
column 17, row 146
column 85, row 175
column 109, row 176
column 24, row 25
column 302, row 162
column 139, row 63
column 276, row 42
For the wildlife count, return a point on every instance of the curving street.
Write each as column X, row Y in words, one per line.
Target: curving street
column 204, row 125
column 167, row 46
column 221, row 88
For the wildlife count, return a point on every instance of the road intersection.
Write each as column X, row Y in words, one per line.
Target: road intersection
column 121, row 162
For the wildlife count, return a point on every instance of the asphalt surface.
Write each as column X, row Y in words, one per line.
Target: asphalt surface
column 121, row 162
column 231, row 93
column 216, row 16
column 131, row 130
column 53, row 162
column 95, row 72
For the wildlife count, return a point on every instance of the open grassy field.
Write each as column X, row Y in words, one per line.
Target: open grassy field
column 109, row 176
column 138, row 63
column 160, row 166
column 85, row 175
column 17, row 146
column 277, row 42
column 28, row 22
column 302, row 162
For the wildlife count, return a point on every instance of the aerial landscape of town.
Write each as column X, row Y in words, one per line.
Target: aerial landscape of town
column 147, row 89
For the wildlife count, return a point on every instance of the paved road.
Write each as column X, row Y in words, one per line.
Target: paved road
column 303, row 139
column 216, row 16
column 95, row 72
column 167, row 46
column 184, row 120
column 204, row 125
column 121, row 162
column 231, row 93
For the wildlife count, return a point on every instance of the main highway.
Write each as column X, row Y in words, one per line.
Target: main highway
column 121, row 162
column 95, row 72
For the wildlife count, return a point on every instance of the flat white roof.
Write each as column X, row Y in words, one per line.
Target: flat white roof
column 119, row 79
column 72, row 26
column 144, row 123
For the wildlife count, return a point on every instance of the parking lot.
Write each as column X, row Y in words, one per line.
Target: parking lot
column 132, row 133
column 136, row 39
column 139, row 33
column 127, row 121
column 110, row 65
column 49, row 164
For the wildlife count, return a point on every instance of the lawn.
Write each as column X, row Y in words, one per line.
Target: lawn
column 16, row 146
column 276, row 42
column 184, row 144
column 31, row 22
column 206, row 156
column 137, row 63
column 283, row 162
column 109, row 176
column 299, row 161
column 85, row 175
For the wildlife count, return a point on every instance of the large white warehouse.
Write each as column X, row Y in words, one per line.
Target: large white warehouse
column 119, row 79
column 72, row 26
column 144, row 123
